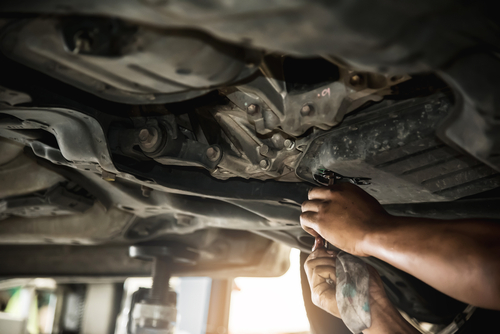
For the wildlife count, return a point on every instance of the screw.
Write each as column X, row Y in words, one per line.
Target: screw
column 252, row 109
column 213, row 153
column 264, row 164
column 306, row 109
column 289, row 144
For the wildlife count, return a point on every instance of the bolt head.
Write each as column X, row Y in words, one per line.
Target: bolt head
column 264, row 164
column 148, row 137
column 143, row 134
column 264, row 149
column 252, row 109
column 213, row 153
column 306, row 110
column 289, row 144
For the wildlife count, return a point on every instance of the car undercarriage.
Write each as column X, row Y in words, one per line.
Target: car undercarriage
column 199, row 126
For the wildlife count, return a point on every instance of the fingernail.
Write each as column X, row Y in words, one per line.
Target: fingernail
column 330, row 252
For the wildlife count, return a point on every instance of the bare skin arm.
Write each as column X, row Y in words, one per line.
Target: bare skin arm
column 460, row 258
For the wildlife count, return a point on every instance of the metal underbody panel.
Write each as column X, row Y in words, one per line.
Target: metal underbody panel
column 387, row 38
column 125, row 63
column 396, row 146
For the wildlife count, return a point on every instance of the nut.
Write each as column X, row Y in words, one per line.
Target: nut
column 213, row 153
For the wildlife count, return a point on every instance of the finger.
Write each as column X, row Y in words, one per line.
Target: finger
column 318, row 258
column 309, row 221
column 321, row 261
column 312, row 206
column 320, row 193
column 319, row 253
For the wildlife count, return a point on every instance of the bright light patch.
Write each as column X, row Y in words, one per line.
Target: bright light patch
column 269, row 305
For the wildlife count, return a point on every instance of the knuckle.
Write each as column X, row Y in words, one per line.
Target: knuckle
column 321, row 215
column 311, row 257
column 333, row 193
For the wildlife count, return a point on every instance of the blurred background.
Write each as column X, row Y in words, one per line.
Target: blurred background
column 255, row 305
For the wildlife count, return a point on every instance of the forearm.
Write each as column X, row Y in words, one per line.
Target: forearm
column 458, row 257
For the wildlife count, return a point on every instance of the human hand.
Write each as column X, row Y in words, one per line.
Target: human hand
column 320, row 271
column 344, row 215
column 321, row 274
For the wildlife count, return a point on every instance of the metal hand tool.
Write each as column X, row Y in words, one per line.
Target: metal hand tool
column 326, row 177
